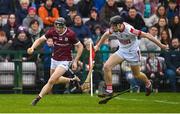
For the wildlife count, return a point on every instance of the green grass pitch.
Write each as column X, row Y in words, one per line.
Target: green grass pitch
column 84, row 103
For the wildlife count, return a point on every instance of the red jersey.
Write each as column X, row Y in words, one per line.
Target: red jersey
column 63, row 43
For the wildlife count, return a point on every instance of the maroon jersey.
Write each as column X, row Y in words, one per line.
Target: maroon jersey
column 63, row 43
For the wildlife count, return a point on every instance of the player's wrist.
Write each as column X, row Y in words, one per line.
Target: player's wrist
column 32, row 47
column 97, row 46
column 75, row 61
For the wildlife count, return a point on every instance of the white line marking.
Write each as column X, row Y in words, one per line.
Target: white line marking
column 158, row 101
column 129, row 99
column 166, row 102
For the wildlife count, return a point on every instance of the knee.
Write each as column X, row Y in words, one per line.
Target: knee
column 106, row 67
column 51, row 81
column 136, row 74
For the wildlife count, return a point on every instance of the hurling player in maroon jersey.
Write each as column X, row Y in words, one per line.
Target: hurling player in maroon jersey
column 63, row 40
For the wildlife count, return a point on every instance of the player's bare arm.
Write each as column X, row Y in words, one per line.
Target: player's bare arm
column 36, row 44
column 103, row 38
column 151, row 38
column 79, row 48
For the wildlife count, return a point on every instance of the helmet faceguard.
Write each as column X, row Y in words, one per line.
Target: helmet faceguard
column 60, row 23
column 115, row 23
column 116, row 20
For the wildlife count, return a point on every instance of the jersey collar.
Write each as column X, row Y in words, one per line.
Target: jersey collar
column 63, row 32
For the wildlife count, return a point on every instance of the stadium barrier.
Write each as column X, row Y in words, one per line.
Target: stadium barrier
column 17, row 75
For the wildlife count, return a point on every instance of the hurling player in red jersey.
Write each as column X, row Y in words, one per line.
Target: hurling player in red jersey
column 63, row 39
column 128, row 50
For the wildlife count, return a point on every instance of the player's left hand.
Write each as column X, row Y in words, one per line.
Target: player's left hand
column 74, row 65
column 30, row 51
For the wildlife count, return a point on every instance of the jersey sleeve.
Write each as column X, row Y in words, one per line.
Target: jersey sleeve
column 49, row 33
column 73, row 39
column 133, row 31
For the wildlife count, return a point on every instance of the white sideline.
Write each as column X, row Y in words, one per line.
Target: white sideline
column 158, row 101
column 166, row 102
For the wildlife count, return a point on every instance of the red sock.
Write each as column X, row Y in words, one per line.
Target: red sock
column 109, row 88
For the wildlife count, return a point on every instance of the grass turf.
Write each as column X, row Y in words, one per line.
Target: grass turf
column 84, row 103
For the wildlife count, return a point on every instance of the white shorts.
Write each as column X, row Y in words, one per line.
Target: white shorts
column 133, row 57
column 64, row 64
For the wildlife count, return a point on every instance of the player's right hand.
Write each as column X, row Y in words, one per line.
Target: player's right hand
column 30, row 51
